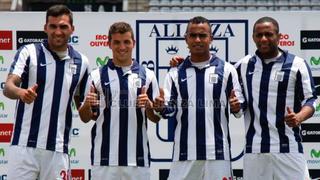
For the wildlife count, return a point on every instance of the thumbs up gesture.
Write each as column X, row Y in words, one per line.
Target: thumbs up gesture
column 159, row 101
column 176, row 61
column 143, row 100
column 28, row 95
column 93, row 100
column 234, row 102
column 292, row 119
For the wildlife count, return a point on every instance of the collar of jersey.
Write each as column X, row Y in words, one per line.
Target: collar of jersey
column 134, row 66
column 187, row 62
column 71, row 51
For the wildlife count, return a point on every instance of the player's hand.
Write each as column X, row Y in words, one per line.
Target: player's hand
column 292, row 119
column 176, row 61
column 158, row 103
column 235, row 105
column 92, row 100
column 28, row 95
column 143, row 100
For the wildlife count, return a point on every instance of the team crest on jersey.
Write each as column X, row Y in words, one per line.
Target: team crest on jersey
column 73, row 68
column 279, row 76
column 137, row 82
column 213, row 78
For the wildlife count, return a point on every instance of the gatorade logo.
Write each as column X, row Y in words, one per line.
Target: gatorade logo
column 5, row 40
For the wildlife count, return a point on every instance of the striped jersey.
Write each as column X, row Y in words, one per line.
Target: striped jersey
column 269, row 89
column 46, row 122
column 119, row 135
column 198, row 99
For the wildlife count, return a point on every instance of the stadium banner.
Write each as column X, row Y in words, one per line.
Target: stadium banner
column 159, row 36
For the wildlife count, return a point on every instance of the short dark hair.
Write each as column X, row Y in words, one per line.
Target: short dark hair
column 267, row 19
column 120, row 27
column 59, row 10
column 198, row 20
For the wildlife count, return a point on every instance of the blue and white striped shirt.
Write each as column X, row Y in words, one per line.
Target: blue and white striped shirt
column 46, row 122
column 119, row 136
column 269, row 89
column 198, row 99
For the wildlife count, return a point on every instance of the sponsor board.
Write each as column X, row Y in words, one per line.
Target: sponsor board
column 5, row 40
column 310, row 39
column 27, row 37
column 310, row 132
column 6, row 132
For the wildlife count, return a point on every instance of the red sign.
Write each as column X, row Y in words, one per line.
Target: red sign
column 6, row 132
column 5, row 40
column 77, row 174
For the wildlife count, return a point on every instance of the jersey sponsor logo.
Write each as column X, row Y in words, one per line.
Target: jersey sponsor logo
column 45, row 64
column 107, row 83
column 310, row 39
column 27, row 37
column 213, row 78
column 6, row 130
column 5, row 40
column 279, row 76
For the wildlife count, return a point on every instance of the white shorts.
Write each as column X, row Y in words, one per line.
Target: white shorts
column 120, row 173
column 275, row 166
column 200, row 170
column 33, row 163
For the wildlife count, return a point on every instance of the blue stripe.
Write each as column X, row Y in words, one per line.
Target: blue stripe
column 105, row 146
column 281, row 104
column 16, row 57
column 41, row 81
column 248, row 77
column 20, row 104
column 263, row 105
column 200, row 114
column 123, row 121
column 183, row 88
column 226, row 111
column 172, row 121
column 218, row 133
column 58, row 82
column 139, row 145
column 75, row 80
column 93, row 136
column 298, row 98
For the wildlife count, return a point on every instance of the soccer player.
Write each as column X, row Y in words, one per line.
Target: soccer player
column 122, row 90
column 44, row 78
column 280, row 95
column 196, row 95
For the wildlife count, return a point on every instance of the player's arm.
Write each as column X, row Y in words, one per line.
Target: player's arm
column 87, row 110
column 236, row 98
column 143, row 101
column 12, row 90
column 166, row 103
column 308, row 98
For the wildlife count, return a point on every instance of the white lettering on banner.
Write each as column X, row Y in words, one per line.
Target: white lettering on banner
column 4, row 40
column 174, row 30
column 5, row 133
